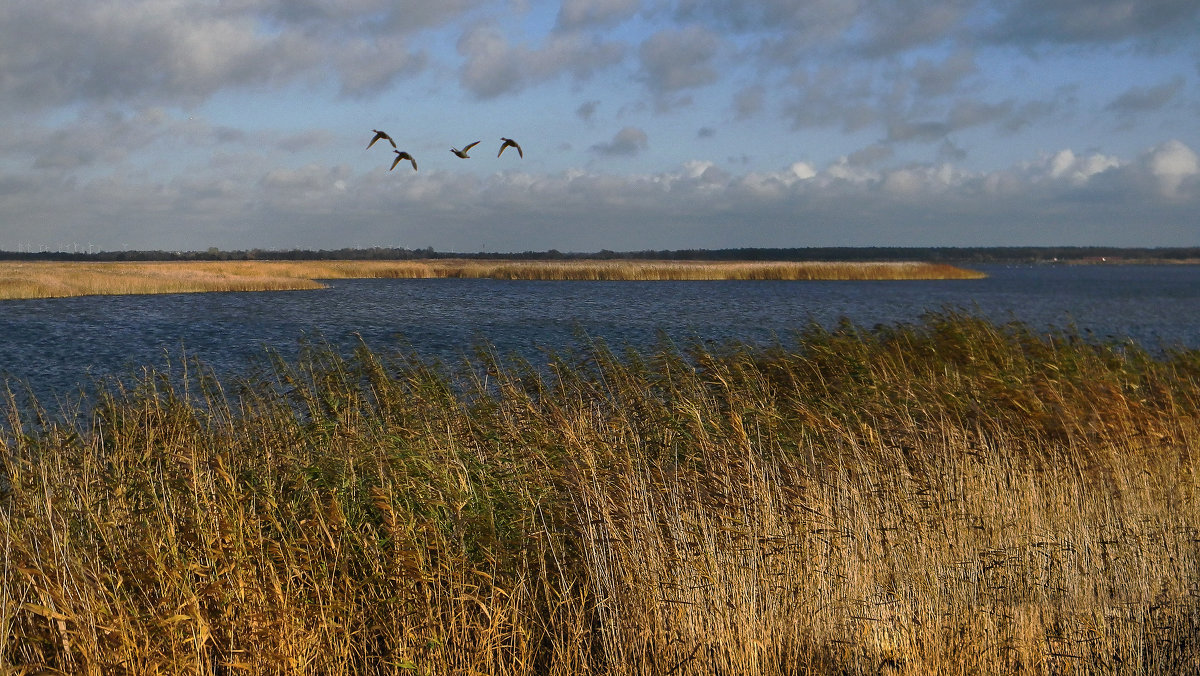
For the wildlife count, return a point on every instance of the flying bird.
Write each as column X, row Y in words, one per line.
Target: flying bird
column 381, row 135
column 509, row 143
column 463, row 153
column 403, row 155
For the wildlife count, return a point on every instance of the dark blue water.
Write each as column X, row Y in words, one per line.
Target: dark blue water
column 58, row 345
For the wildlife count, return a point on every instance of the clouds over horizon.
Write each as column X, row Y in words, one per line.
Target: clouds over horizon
column 706, row 204
column 949, row 119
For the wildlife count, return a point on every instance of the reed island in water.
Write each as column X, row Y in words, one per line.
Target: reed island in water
column 52, row 279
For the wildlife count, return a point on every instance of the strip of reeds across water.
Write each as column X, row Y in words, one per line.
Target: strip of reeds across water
column 59, row 279
column 949, row 497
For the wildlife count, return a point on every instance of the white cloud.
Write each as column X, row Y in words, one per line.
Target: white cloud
column 843, row 171
column 1067, row 166
column 803, row 170
column 1174, row 165
column 924, row 180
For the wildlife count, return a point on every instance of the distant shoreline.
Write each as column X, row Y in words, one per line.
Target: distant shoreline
column 952, row 255
column 61, row 279
column 1128, row 261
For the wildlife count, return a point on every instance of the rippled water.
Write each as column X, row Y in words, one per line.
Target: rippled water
column 57, row 345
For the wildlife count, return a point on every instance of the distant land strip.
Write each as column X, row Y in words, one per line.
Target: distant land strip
column 59, row 279
column 952, row 255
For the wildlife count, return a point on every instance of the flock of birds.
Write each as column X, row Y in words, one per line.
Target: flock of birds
column 403, row 154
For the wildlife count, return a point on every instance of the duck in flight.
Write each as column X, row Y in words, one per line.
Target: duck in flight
column 403, row 155
column 381, row 135
column 509, row 143
column 463, row 153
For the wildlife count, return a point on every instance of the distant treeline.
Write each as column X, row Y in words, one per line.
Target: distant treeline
column 1020, row 254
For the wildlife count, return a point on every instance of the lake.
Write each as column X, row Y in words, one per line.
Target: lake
column 59, row 345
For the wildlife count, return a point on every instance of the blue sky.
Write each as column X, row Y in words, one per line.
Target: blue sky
column 646, row 124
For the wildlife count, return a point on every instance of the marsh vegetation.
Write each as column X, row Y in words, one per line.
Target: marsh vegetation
column 41, row 279
column 951, row 496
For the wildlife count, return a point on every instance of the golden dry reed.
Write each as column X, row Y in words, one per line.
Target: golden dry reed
column 60, row 279
column 947, row 497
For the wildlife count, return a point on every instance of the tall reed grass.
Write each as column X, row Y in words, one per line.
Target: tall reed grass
column 59, row 279
column 951, row 497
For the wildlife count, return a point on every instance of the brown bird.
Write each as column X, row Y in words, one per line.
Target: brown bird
column 509, row 143
column 381, row 135
column 403, row 155
column 463, row 153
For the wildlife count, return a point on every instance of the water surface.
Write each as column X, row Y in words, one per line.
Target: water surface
column 57, row 345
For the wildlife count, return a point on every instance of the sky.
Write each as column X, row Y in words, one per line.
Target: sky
column 645, row 124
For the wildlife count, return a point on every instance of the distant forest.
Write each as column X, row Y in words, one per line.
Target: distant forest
column 1023, row 254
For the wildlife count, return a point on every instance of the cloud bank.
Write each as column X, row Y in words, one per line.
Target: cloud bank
column 646, row 123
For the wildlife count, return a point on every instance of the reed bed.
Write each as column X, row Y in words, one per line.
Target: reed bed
column 60, row 279
column 946, row 497
column 633, row 270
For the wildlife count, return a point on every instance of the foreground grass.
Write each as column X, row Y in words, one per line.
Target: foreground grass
column 951, row 497
column 60, row 279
